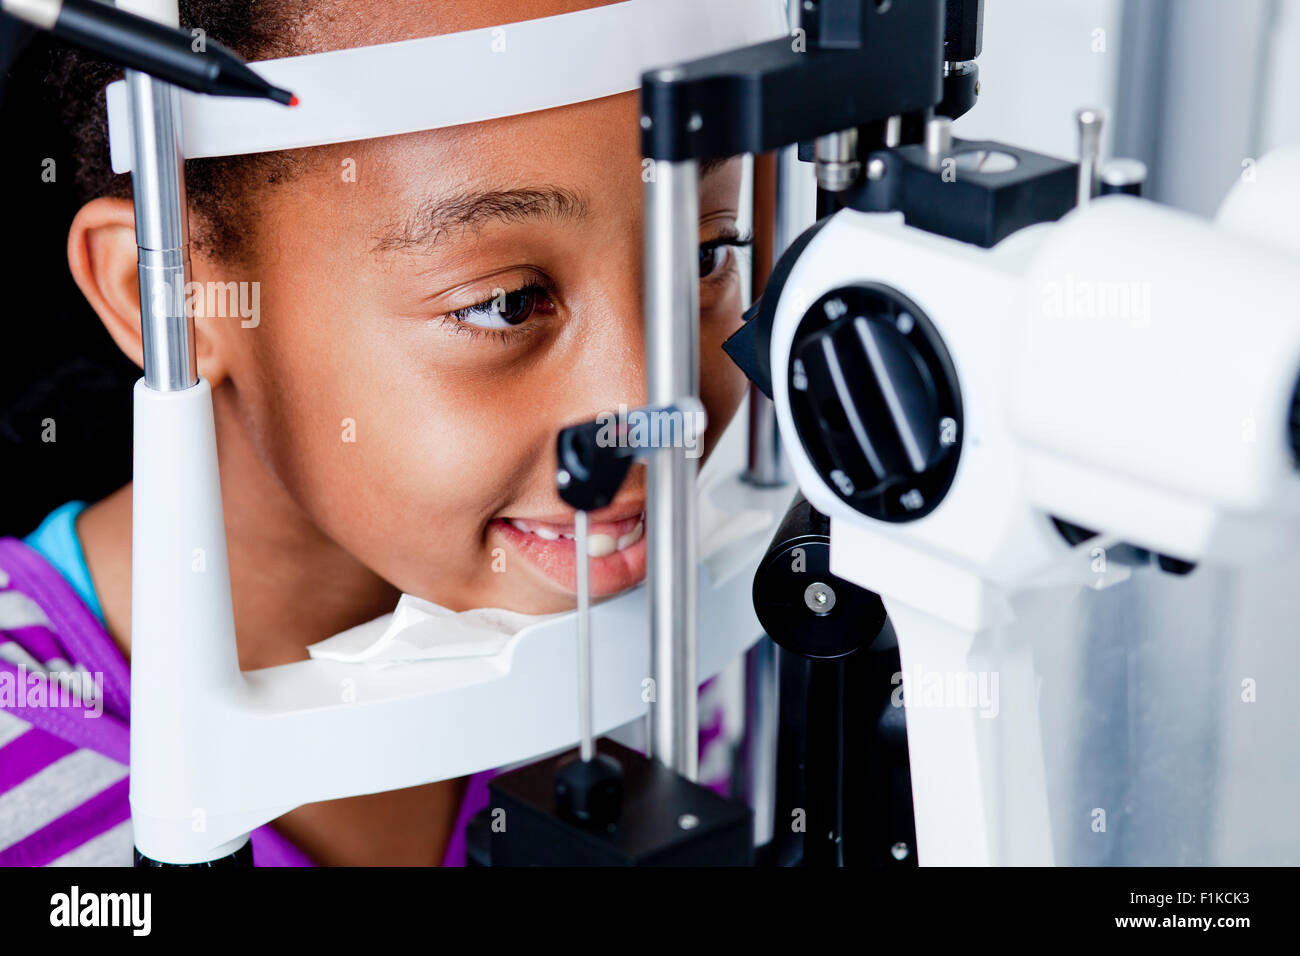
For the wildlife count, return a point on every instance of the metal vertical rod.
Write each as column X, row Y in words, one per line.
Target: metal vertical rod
column 765, row 467
column 893, row 131
column 776, row 224
column 1090, row 122
column 162, row 233
column 938, row 141
column 763, row 463
column 584, row 637
column 672, row 315
column 771, row 221
column 761, row 737
column 791, row 196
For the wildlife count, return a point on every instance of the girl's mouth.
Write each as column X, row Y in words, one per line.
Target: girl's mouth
column 599, row 543
column 616, row 548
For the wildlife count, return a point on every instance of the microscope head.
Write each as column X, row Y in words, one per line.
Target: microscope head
column 1130, row 370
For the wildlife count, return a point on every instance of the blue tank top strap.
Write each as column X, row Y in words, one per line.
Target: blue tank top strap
column 57, row 541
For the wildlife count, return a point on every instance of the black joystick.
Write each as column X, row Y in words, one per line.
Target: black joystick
column 590, row 791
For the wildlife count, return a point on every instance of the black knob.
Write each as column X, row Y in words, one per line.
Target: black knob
column 803, row 606
column 590, row 792
column 876, row 401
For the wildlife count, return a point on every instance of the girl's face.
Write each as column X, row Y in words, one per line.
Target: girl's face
column 433, row 309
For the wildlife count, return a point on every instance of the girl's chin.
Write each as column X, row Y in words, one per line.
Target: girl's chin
column 557, row 561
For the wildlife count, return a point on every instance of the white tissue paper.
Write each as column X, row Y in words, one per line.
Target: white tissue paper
column 419, row 630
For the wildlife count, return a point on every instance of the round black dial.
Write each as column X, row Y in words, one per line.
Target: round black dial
column 876, row 402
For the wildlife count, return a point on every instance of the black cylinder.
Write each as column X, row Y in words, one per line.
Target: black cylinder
column 794, row 575
column 241, row 857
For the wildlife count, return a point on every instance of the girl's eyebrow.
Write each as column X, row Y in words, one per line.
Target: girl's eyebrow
column 439, row 215
column 713, row 164
column 434, row 218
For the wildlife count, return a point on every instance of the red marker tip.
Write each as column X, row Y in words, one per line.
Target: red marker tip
column 293, row 101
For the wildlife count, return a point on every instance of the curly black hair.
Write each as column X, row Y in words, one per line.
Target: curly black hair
column 58, row 364
column 217, row 188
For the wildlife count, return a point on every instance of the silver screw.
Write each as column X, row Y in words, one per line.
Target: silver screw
column 688, row 821
column 563, row 478
column 819, row 597
column 900, row 851
column 876, row 170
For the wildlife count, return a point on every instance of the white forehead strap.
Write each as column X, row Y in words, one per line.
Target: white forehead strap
column 468, row 77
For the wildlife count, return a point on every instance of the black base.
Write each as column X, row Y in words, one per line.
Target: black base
column 527, row 828
column 241, row 857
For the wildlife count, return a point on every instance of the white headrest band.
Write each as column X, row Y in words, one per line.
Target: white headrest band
column 467, row 77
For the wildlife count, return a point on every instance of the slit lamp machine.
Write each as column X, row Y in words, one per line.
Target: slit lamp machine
column 1031, row 418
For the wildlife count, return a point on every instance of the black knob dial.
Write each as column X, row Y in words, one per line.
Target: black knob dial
column 876, row 402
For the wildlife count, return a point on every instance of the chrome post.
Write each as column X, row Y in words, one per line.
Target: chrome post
column 1090, row 123
column 672, row 318
column 162, row 233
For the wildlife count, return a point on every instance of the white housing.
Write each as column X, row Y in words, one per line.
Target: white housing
column 1129, row 369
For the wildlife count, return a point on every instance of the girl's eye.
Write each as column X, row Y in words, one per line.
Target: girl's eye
column 505, row 309
column 715, row 252
column 711, row 259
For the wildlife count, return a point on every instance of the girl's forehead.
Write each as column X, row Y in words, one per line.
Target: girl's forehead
column 328, row 25
column 338, row 24
column 592, row 148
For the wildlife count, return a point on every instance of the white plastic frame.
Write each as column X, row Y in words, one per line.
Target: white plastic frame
column 466, row 77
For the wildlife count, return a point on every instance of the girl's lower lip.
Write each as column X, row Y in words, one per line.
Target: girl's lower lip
column 558, row 560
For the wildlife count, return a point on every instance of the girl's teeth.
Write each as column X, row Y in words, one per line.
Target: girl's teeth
column 599, row 545
column 633, row 536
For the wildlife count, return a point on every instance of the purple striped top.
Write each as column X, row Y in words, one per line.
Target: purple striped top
column 64, row 749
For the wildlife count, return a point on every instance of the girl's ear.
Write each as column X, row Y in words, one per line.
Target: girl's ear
column 104, row 260
column 102, row 256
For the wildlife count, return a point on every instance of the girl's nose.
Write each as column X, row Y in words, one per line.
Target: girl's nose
column 608, row 367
